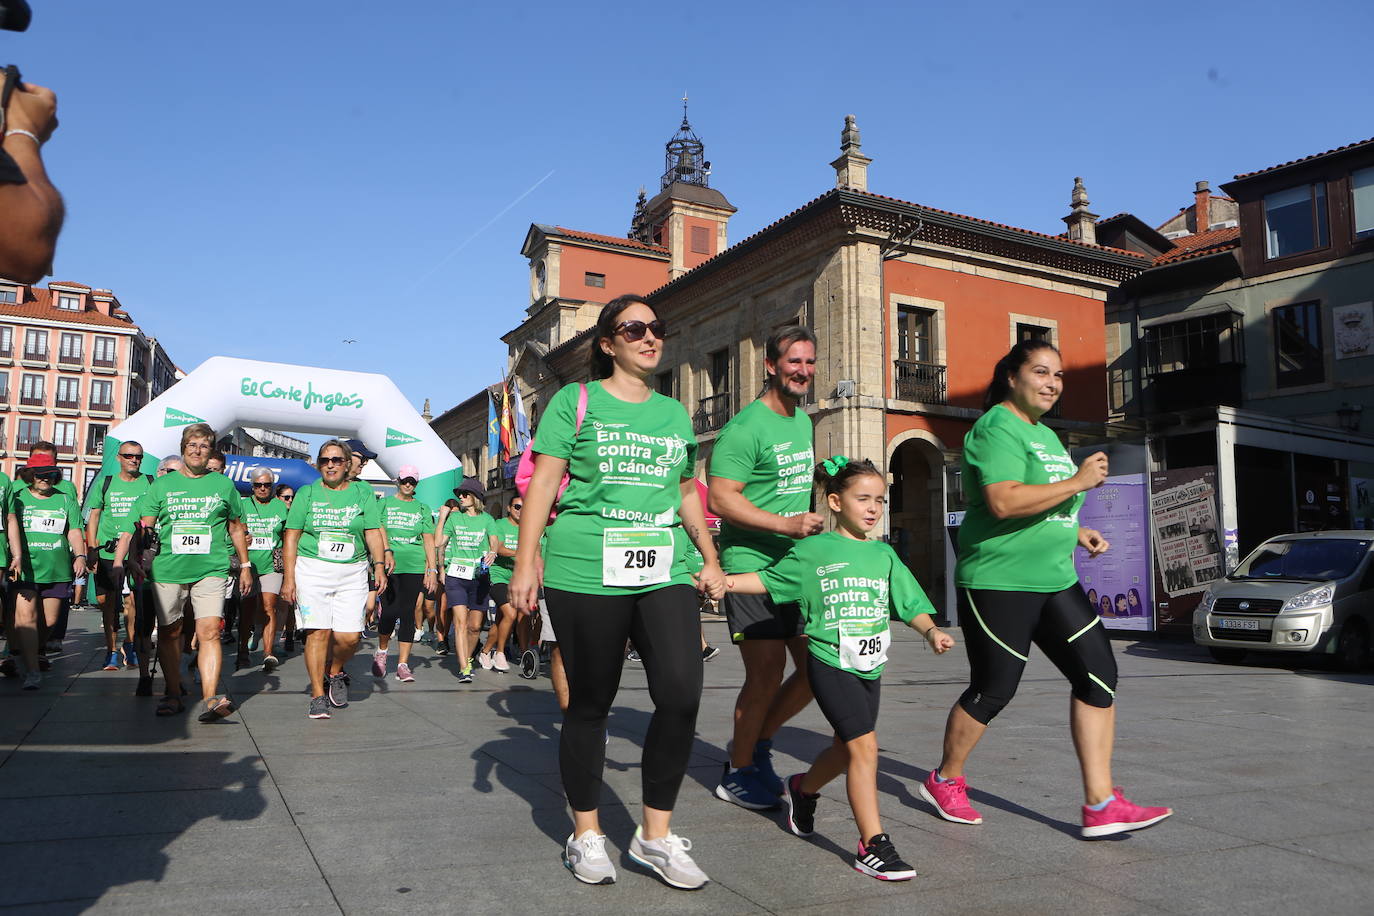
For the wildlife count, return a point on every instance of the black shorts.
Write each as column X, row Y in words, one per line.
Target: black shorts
column 848, row 702
column 468, row 593
column 500, row 593
column 105, row 579
column 757, row 617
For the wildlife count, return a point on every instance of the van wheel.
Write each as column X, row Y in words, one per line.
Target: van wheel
column 1226, row 656
column 1352, row 649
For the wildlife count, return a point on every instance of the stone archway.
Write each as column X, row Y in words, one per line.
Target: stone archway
column 223, row 391
column 916, row 511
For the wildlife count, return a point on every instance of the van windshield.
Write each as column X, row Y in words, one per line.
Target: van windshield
column 1315, row 558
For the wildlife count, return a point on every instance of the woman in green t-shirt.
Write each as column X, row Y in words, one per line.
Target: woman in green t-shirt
column 466, row 538
column 47, row 550
column 847, row 587
column 408, row 524
column 333, row 531
column 614, row 569
column 1016, row 570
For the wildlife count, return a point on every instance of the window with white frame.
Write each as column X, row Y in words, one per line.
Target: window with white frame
column 103, row 353
column 31, row 390
column 64, row 437
column 6, row 340
column 68, row 392
column 102, row 394
column 30, row 431
column 70, row 348
column 69, row 302
column 35, row 344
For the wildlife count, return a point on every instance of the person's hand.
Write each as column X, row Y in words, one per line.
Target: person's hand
column 805, row 525
column 16, row 569
column 939, row 640
column 1092, row 541
column 1093, row 471
column 430, row 583
column 710, row 581
column 34, row 109
column 381, row 581
column 288, row 590
column 523, row 591
column 388, row 562
column 246, row 579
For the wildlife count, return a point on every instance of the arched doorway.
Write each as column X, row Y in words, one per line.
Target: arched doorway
column 916, row 510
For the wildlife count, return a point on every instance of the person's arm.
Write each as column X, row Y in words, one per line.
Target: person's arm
column 431, row 567
column 727, row 500
column 238, row 534
column 1091, row 540
column 501, row 549
column 77, row 543
column 93, row 528
column 1013, row 499
column 440, row 535
column 290, row 541
column 939, row 640
column 745, row 584
column 493, row 549
column 539, row 499
column 711, row 579
column 16, row 545
column 376, row 550
column 33, row 210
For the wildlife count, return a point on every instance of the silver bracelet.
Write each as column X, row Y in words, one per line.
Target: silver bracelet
column 27, row 133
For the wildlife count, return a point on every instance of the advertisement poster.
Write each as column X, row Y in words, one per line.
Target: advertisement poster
column 1187, row 539
column 1362, row 503
column 1118, row 582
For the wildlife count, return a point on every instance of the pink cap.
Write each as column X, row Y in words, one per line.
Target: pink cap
column 408, row 470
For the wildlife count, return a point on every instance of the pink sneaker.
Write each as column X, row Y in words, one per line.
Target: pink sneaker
column 950, row 799
column 403, row 673
column 1120, row 815
column 379, row 664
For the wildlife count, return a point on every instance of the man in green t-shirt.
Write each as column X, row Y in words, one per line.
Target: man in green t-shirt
column 111, row 504
column 264, row 517
column 196, row 515
column 760, row 486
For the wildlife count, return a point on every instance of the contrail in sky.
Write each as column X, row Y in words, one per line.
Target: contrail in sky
column 485, row 226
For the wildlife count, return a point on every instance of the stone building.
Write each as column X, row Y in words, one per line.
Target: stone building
column 912, row 307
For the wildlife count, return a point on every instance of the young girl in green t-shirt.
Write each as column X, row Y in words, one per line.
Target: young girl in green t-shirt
column 847, row 586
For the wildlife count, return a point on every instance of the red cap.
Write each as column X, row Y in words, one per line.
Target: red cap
column 40, row 460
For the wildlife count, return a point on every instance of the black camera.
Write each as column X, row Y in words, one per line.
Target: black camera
column 15, row 15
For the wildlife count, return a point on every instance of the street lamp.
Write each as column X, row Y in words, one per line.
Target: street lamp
column 1349, row 416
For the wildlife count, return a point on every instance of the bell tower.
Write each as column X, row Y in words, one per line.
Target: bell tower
column 687, row 216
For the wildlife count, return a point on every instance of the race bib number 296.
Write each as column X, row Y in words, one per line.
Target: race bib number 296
column 636, row 556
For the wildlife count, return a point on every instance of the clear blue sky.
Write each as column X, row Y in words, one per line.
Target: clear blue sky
column 268, row 180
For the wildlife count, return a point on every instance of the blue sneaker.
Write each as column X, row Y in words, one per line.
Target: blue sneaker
column 113, row 662
column 763, row 761
column 745, row 788
column 130, row 655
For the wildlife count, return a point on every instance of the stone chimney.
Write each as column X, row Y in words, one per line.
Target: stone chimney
column 1082, row 223
column 1202, row 206
column 851, row 168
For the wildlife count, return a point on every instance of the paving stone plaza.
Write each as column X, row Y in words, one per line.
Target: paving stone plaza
column 438, row 797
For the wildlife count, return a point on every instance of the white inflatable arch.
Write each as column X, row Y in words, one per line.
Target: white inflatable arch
column 225, row 392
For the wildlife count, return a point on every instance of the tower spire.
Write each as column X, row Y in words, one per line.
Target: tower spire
column 1081, row 221
column 685, row 156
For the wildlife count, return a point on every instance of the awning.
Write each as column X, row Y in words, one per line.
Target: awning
column 1191, row 313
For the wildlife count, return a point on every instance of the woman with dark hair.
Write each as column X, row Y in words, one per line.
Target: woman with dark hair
column 1016, row 569
column 1133, row 602
column 615, row 569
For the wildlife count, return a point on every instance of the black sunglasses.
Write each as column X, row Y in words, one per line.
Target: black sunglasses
column 634, row 330
column 517, row 505
column 47, row 475
column 287, row 496
column 410, row 480
column 267, row 484
column 334, row 459
column 138, row 456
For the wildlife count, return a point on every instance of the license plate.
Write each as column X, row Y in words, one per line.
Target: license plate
column 1230, row 623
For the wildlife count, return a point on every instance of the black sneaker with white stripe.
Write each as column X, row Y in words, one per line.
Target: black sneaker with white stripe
column 801, row 808
column 878, row 858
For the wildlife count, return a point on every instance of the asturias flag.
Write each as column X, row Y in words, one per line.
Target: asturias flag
column 493, row 428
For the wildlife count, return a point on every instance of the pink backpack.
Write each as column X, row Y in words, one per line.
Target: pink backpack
column 525, row 470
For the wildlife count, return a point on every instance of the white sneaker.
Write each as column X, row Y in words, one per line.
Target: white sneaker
column 668, row 857
column 586, row 858
column 32, row 680
column 484, row 659
column 498, row 662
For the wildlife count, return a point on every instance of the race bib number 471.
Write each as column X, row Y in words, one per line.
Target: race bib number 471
column 636, row 556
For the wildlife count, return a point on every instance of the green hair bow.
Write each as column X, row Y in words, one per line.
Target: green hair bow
column 833, row 465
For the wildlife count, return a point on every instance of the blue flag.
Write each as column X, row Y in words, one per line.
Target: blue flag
column 493, row 430
column 522, row 420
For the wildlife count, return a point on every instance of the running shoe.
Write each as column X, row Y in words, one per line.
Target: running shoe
column 633, row 656
column 114, row 662
column 32, row 680
column 269, row 664
column 130, row 655
column 484, row 659
column 44, row 663
column 878, row 858
column 801, row 808
column 668, row 857
column 763, row 760
column 950, row 799
column 529, row 664
column 319, row 707
column 403, row 673
column 253, row 642
column 145, row 686
column 586, row 858
column 379, row 664
column 1120, row 815
column 745, row 788
column 441, row 647
column 499, row 663
column 709, row 652
column 465, row 675
column 53, row 645
column 336, row 687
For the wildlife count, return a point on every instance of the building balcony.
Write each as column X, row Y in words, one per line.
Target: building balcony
column 66, row 448
column 66, row 405
column 27, row 401
column 711, row 413
column 70, row 361
column 1195, row 386
column 920, row 381
column 102, row 406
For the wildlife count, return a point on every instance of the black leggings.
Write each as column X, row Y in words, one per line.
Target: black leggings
column 665, row 627
column 398, row 605
column 848, row 702
column 1065, row 627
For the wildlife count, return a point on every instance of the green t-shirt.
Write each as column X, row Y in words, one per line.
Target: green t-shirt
column 618, row 519
column 772, row 456
column 468, row 540
column 1032, row 554
column 43, row 527
column 4, row 511
column 847, row 590
column 332, row 522
column 502, row 568
column 192, row 516
column 116, row 504
column 407, row 521
column 265, row 523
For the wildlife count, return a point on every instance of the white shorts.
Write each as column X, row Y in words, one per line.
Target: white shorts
column 268, row 583
column 330, row 596
column 206, row 597
column 545, row 624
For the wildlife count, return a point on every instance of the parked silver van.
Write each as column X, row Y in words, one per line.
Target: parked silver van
column 1306, row 593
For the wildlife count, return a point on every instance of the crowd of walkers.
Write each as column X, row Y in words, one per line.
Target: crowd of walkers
column 605, row 556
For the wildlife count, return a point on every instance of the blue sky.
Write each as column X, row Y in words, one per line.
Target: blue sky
column 269, row 180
